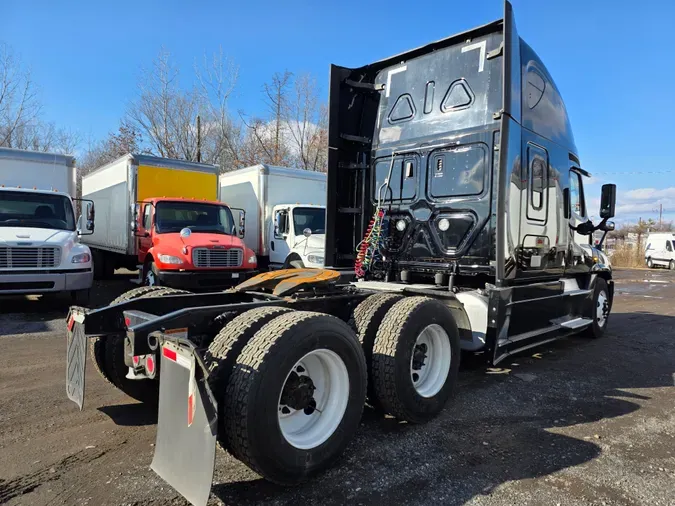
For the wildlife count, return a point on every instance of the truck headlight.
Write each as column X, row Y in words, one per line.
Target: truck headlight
column 252, row 259
column 315, row 259
column 169, row 259
column 81, row 258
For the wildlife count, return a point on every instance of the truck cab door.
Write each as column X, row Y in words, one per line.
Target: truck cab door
column 146, row 218
column 577, row 254
column 281, row 236
column 670, row 252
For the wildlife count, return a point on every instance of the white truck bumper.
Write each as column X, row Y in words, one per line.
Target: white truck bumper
column 44, row 282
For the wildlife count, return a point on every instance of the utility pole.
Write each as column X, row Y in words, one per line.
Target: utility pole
column 660, row 215
column 199, row 139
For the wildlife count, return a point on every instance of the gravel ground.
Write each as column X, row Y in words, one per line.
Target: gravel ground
column 574, row 422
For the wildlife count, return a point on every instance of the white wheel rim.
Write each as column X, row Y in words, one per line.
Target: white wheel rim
column 600, row 314
column 429, row 374
column 329, row 376
column 150, row 278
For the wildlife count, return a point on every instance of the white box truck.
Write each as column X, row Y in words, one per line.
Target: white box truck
column 40, row 249
column 285, row 213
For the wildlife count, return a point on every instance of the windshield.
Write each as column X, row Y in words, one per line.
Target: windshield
column 175, row 216
column 36, row 210
column 313, row 218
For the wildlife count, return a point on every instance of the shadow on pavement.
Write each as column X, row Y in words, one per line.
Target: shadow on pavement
column 135, row 414
column 526, row 423
column 33, row 314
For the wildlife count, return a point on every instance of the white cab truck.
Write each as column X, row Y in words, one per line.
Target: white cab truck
column 660, row 250
column 40, row 249
column 285, row 213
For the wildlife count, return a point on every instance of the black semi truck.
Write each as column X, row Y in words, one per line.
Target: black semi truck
column 456, row 221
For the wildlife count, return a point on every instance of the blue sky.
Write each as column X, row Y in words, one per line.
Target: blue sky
column 612, row 60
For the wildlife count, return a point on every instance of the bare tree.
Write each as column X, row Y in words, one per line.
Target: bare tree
column 217, row 78
column 164, row 113
column 306, row 123
column 276, row 93
column 127, row 139
column 19, row 107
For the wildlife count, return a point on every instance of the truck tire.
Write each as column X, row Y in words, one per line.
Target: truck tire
column 150, row 274
column 108, row 265
column 114, row 369
column 650, row 263
column 365, row 321
column 97, row 348
column 415, row 359
column 225, row 348
column 600, row 308
column 272, row 415
column 97, row 261
column 293, row 262
column 80, row 297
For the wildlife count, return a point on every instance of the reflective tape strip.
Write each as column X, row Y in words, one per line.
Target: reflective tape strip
column 169, row 353
column 187, row 360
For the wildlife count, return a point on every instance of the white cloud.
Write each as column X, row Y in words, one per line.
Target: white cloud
column 650, row 194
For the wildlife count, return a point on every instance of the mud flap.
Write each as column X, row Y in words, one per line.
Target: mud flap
column 187, row 426
column 76, row 358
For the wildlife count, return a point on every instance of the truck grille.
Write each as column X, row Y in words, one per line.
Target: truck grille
column 19, row 257
column 207, row 257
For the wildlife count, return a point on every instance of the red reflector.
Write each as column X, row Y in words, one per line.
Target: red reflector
column 170, row 354
column 191, row 409
column 150, row 364
column 136, row 359
column 71, row 322
column 127, row 322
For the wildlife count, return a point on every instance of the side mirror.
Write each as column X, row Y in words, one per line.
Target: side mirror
column 607, row 201
column 242, row 224
column 307, row 232
column 609, row 226
column 88, row 218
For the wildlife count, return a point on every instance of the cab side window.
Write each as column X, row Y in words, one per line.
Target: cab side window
column 146, row 216
column 577, row 194
column 669, row 247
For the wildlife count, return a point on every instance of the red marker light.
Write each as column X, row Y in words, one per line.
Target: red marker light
column 136, row 359
column 127, row 321
column 150, row 364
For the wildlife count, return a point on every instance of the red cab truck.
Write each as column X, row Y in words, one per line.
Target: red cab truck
column 163, row 217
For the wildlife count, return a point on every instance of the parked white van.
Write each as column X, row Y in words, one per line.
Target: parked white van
column 660, row 250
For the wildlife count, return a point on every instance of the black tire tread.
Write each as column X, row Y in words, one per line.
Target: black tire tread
column 226, row 347
column 97, row 348
column 115, row 371
column 383, row 367
column 366, row 321
column 258, row 355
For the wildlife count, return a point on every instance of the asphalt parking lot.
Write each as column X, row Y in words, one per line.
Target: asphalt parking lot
column 574, row 422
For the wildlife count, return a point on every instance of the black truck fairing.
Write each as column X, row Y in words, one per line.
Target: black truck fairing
column 475, row 135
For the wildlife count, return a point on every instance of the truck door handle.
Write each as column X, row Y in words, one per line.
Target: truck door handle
column 272, row 245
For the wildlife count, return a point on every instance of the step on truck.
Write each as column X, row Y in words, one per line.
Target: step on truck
column 285, row 213
column 455, row 199
column 41, row 248
column 163, row 217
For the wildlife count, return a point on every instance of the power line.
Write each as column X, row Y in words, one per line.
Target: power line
column 636, row 172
